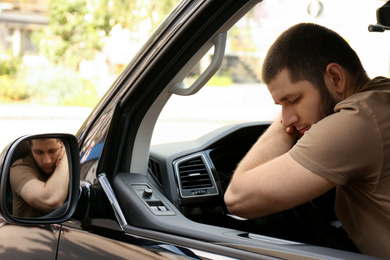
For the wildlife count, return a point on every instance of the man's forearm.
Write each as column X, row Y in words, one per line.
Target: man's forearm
column 245, row 189
column 274, row 142
column 58, row 183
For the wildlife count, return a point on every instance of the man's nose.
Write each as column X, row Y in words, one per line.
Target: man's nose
column 46, row 159
column 289, row 117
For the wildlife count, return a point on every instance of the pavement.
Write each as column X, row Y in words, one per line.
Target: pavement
column 17, row 120
column 183, row 118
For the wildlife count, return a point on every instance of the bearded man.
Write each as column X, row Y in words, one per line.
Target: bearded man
column 333, row 131
column 40, row 181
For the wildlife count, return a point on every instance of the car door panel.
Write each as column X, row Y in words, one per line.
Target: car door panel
column 25, row 242
column 105, row 243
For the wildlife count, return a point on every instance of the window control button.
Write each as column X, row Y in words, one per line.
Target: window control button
column 162, row 208
column 154, row 208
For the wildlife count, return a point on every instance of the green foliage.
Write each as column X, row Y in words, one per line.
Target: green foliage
column 77, row 28
column 131, row 14
column 220, row 81
column 72, row 34
column 9, row 65
column 87, row 96
column 11, row 89
column 215, row 81
column 51, row 85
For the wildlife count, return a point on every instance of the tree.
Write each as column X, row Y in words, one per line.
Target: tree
column 77, row 28
column 131, row 13
column 72, row 34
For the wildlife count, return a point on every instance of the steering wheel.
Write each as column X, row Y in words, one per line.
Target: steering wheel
column 319, row 216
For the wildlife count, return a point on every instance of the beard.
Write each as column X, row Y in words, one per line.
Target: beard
column 326, row 106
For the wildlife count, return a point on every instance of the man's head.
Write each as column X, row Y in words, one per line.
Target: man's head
column 311, row 56
column 46, row 153
column 305, row 50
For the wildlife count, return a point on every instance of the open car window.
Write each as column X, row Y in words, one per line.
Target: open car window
column 236, row 93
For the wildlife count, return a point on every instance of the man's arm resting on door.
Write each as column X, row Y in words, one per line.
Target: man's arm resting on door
column 277, row 185
column 269, row 180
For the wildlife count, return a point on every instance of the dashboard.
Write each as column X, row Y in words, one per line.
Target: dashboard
column 194, row 175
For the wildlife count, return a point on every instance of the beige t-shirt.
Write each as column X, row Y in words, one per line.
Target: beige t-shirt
column 352, row 148
column 22, row 171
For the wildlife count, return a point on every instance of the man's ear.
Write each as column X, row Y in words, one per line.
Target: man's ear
column 336, row 79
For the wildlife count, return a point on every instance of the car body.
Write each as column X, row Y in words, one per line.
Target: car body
column 129, row 199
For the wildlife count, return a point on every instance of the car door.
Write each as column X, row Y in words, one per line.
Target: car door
column 115, row 142
column 95, row 224
column 21, row 242
column 110, row 244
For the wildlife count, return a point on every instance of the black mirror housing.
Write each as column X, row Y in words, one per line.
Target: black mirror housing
column 383, row 15
column 19, row 149
column 382, row 18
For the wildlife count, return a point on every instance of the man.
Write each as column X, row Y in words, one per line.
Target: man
column 334, row 130
column 40, row 180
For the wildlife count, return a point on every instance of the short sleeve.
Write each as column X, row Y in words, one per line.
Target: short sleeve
column 343, row 146
column 20, row 174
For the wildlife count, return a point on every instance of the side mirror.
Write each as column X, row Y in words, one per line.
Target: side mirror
column 382, row 18
column 39, row 181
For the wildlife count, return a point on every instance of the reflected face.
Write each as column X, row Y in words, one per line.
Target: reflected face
column 46, row 153
column 302, row 104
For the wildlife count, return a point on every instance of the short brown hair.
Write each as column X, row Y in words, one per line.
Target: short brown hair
column 305, row 50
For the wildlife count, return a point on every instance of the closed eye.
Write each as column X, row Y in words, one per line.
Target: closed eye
column 294, row 100
column 53, row 150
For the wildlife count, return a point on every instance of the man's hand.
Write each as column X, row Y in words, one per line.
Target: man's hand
column 274, row 142
column 290, row 129
column 61, row 154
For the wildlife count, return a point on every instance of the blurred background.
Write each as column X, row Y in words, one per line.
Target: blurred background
column 59, row 57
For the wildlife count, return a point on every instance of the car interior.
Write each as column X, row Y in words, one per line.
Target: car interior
column 194, row 175
column 177, row 187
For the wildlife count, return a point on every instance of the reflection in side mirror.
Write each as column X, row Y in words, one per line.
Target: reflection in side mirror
column 38, row 178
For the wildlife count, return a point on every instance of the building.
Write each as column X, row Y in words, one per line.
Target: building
column 18, row 19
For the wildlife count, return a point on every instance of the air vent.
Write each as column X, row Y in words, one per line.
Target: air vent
column 195, row 177
column 193, row 174
column 154, row 168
